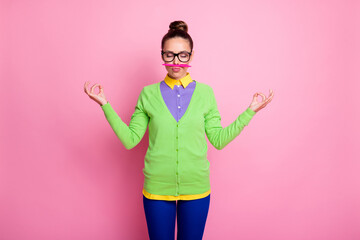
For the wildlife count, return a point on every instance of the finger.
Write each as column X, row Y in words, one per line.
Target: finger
column 86, row 87
column 255, row 97
column 271, row 93
column 93, row 88
column 267, row 101
column 270, row 96
column 263, row 97
column 101, row 89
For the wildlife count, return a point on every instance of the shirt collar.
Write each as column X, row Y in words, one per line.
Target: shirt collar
column 183, row 81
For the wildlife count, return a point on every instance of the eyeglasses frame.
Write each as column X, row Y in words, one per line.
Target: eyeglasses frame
column 175, row 55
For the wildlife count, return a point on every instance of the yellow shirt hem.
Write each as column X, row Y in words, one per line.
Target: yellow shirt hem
column 173, row 198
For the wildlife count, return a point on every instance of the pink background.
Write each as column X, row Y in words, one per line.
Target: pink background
column 293, row 173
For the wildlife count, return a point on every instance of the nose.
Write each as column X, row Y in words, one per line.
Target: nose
column 176, row 61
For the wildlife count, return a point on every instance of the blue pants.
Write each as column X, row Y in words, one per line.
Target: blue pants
column 191, row 218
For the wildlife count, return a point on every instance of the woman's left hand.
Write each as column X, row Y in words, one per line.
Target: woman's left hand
column 256, row 106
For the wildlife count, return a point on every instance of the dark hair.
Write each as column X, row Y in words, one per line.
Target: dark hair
column 177, row 29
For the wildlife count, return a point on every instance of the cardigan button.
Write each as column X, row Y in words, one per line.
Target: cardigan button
column 177, row 149
column 177, row 137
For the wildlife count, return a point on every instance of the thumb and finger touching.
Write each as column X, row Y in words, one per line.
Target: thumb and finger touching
column 264, row 101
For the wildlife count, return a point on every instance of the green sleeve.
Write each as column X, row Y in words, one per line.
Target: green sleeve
column 218, row 136
column 130, row 135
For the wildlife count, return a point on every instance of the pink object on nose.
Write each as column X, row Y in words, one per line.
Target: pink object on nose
column 173, row 65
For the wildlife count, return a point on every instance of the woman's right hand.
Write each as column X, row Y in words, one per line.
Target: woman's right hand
column 100, row 97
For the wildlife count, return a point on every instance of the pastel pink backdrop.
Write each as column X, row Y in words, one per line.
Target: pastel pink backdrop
column 293, row 173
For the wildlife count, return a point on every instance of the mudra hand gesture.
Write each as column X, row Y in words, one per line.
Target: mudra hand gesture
column 256, row 106
column 100, row 97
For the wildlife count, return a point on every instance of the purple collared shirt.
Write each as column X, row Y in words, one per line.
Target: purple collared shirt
column 177, row 100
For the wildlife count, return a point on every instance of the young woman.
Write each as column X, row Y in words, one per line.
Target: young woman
column 179, row 111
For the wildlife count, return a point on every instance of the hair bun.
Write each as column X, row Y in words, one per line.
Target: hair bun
column 178, row 25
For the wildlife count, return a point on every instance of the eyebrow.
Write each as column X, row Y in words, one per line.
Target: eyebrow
column 178, row 52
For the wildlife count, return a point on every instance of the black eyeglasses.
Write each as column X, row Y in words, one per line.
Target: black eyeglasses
column 169, row 56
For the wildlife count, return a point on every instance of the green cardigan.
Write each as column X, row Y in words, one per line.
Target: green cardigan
column 176, row 159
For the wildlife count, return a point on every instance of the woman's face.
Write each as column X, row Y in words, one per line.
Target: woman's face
column 176, row 45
